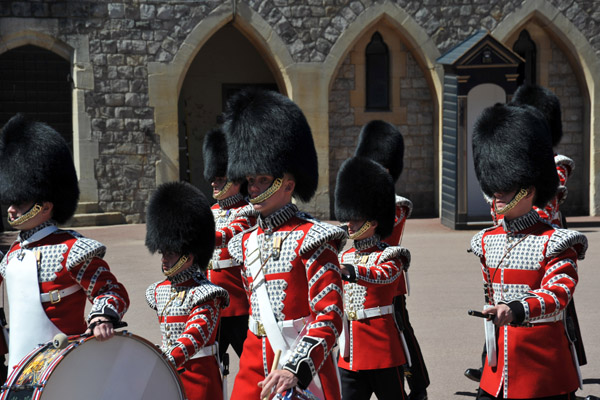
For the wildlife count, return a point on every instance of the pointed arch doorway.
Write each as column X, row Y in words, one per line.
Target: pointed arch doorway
column 226, row 63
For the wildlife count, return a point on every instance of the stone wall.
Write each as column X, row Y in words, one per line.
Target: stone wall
column 124, row 36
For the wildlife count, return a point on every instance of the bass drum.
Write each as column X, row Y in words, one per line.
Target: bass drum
column 124, row 367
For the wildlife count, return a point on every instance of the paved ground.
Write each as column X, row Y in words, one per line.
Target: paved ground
column 445, row 282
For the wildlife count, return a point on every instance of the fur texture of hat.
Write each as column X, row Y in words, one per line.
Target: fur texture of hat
column 512, row 150
column 36, row 165
column 547, row 102
column 267, row 134
column 365, row 190
column 179, row 220
column 382, row 142
column 214, row 153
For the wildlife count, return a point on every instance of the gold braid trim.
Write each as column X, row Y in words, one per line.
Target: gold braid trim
column 171, row 271
column 33, row 211
column 223, row 191
column 365, row 227
column 518, row 197
column 269, row 192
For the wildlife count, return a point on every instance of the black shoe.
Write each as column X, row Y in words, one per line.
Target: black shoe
column 418, row 395
column 473, row 374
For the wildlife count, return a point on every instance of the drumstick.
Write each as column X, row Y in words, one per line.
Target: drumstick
column 274, row 366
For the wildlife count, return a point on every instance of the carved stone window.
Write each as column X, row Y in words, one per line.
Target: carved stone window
column 377, row 60
column 526, row 48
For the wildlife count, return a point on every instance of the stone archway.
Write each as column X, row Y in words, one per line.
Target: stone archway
column 586, row 66
column 413, row 56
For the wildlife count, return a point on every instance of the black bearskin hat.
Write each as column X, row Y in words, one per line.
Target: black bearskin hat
column 365, row 190
column 268, row 134
column 179, row 220
column 545, row 101
column 382, row 142
column 36, row 165
column 214, row 152
column 512, row 150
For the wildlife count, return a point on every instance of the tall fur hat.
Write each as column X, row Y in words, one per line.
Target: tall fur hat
column 267, row 133
column 382, row 142
column 547, row 102
column 179, row 220
column 214, row 152
column 36, row 165
column 512, row 150
column 365, row 190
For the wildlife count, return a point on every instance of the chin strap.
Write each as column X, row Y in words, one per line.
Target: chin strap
column 365, row 227
column 275, row 186
column 173, row 270
column 518, row 197
column 32, row 212
column 222, row 191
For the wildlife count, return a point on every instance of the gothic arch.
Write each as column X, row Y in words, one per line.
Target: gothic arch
column 581, row 53
column 163, row 93
column 76, row 51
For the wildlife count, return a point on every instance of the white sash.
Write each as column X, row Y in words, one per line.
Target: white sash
column 278, row 340
column 490, row 339
column 29, row 324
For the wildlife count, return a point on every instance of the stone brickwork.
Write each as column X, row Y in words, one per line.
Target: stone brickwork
column 562, row 81
column 125, row 36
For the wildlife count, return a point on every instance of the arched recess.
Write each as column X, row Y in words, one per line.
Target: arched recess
column 75, row 50
column 586, row 67
column 165, row 80
column 421, row 48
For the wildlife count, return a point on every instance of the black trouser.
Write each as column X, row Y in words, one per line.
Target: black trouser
column 232, row 331
column 386, row 383
column 417, row 377
column 483, row 395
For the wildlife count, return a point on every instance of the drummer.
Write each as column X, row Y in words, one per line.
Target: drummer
column 180, row 226
column 49, row 272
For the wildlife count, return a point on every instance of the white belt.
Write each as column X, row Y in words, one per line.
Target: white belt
column 370, row 312
column 222, row 264
column 54, row 296
column 206, row 351
column 258, row 329
column 556, row 318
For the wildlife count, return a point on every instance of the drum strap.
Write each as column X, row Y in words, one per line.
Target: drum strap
column 29, row 324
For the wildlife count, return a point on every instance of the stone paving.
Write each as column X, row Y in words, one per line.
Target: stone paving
column 445, row 283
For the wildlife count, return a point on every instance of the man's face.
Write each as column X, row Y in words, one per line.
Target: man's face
column 17, row 210
column 257, row 184
column 169, row 258
column 219, row 183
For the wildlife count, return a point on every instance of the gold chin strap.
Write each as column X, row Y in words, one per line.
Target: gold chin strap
column 518, row 197
column 33, row 211
column 365, row 227
column 269, row 192
column 223, row 191
column 173, row 270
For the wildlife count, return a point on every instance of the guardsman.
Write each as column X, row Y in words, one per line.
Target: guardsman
column 181, row 228
column 383, row 142
column 50, row 273
column 372, row 351
column 529, row 267
column 291, row 268
column 233, row 214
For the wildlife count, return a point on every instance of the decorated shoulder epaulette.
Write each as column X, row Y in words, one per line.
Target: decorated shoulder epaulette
column 396, row 252
column 150, row 299
column 83, row 249
column 563, row 239
column 476, row 245
column 320, row 233
column 404, row 202
column 562, row 160
column 207, row 291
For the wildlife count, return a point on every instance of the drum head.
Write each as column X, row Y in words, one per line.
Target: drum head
column 124, row 367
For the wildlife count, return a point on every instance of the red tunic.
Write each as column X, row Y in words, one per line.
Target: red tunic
column 374, row 342
column 68, row 259
column 231, row 218
column 188, row 309
column 303, row 280
column 539, row 272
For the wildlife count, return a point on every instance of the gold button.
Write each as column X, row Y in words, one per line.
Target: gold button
column 352, row 316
